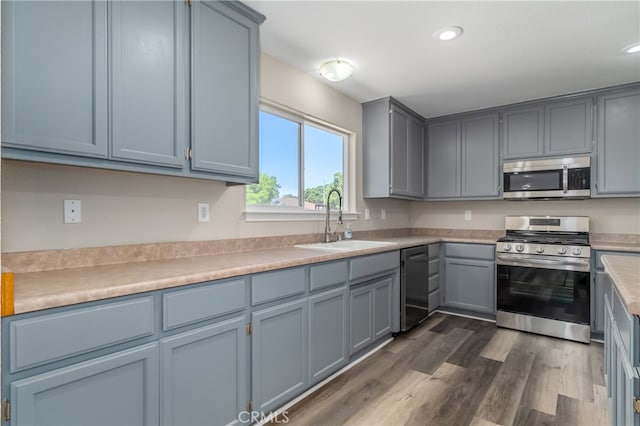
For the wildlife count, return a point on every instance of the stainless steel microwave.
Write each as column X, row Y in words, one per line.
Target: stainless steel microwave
column 547, row 178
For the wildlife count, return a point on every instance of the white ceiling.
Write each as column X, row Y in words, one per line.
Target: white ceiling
column 510, row 51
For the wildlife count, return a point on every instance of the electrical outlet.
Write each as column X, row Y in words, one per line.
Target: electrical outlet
column 367, row 214
column 203, row 213
column 72, row 211
column 467, row 215
column 383, row 214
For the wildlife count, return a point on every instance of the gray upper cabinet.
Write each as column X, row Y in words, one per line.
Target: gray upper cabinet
column 54, row 76
column 117, row 389
column 568, row 128
column 224, row 90
column 618, row 146
column 393, row 150
column 463, row 158
column 523, row 132
column 443, row 159
column 553, row 128
column 133, row 85
column 480, row 156
column 149, row 81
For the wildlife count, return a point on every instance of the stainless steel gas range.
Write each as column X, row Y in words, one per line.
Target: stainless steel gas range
column 543, row 276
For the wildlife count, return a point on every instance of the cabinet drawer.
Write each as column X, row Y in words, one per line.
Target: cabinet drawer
column 470, row 251
column 201, row 303
column 47, row 338
column 328, row 275
column 434, row 266
column 276, row 285
column 434, row 250
column 434, row 283
column 374, row 264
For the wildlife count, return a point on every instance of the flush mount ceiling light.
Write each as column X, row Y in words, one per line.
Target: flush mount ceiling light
column 336, row 70
column 448, row 33
column 632, row 48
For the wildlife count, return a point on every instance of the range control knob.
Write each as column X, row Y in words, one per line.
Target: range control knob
column 520, row 247
column 507, row 247
column 562, row 250
column 576, row 252
column 539, row 249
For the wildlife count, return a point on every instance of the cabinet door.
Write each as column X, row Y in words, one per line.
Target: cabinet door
column 117, row 389
column 148, row 81
column 523, row 132
column 597, row 316
column 627, row 387
column 480, row 156
column 54, row 76
column 204, row 378
column 382, row 298
column 360, row 318
column 618, row 158
column 470, row 285
column 224, row 88
column 328, row 350
column 443, row 159
column 416, row 160
column 399, row 152
column 568, row 127
column 279, row 354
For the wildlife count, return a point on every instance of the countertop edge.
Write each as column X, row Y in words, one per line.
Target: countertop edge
column 621, row 283
column 25, row 304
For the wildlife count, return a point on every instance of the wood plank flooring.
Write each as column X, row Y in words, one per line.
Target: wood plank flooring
column 459, row 371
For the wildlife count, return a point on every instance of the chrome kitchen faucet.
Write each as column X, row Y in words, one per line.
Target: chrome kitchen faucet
column 327, row 226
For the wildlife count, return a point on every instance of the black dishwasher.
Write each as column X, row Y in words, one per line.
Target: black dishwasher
column 414, row 286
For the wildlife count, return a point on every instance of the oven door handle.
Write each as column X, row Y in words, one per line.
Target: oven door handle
column 533, row 261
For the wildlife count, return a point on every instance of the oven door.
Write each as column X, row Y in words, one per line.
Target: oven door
column 544, row 286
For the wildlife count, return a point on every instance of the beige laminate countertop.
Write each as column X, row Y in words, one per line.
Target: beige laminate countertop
column 35, row 291
column 625, row 274
column 614, row 246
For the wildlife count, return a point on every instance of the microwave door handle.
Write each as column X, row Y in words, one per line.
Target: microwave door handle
column 565, row 178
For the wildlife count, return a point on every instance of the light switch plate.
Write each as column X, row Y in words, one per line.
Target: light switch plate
column 383, row 214
column 72, row 211
column 203, row 213
column 367, row 214
column 467, row 215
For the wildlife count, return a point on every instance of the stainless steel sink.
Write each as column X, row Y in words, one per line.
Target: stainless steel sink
column 346, row 245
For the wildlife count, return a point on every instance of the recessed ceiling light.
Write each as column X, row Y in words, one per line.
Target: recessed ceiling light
column 632, row 48
column 448, row 33
column 336, row 70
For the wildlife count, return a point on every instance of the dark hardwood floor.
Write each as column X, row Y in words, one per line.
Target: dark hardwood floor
column 459, row 371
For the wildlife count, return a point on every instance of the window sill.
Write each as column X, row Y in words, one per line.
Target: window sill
column 270, row 215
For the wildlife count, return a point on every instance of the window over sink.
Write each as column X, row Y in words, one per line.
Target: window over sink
column 300, row 160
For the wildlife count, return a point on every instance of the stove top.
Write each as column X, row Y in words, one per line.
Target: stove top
column 545, row 240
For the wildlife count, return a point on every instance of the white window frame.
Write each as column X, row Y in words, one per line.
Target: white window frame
column 262, row 213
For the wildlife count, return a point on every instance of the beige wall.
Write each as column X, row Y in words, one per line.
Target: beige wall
column 128, row 208
column 612, row 215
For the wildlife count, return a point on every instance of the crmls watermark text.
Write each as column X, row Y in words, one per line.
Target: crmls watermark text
column 260, row 417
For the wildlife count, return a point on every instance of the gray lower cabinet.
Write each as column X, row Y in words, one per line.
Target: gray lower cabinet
column 621, row 364
column 279, row 358
column 370, row 313
column 393, row 150
column 204, row 374
column 470, row 277
column 54, row 77
column 434, row 276
column 328, row 333
column 462, row 158
column 618, row 150
column 598, row 289
column 118, row 389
